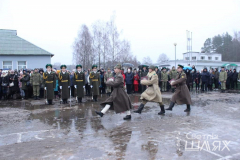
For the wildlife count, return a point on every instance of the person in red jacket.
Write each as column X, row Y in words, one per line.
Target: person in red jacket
column 135, row 82
column 124, row 77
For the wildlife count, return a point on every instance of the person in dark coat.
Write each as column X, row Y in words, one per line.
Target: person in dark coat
column 211, row 81
column 79, row 83
column 216, row 79
column 25, row 83
column 234, row 79
column 197, row 80
column 231, row 79
column 205, row 75
column 5, row 84
column 189, row 79
column 118, row 101
column 49, row 81
column 13, row 78
column 72, row 84
column 143, row 73
column 129, row 81
column 181, row 95
column 64, row 83
column 228, row 83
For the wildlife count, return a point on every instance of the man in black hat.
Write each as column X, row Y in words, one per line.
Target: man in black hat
column 49, row 81
column 94, row 78
column 79, row 83
column 64, row 83
column 142, row 74
column 181, row 95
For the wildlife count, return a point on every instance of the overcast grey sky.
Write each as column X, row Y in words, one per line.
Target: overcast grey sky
column 151, row 26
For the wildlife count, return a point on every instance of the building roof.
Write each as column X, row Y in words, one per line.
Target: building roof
column 11, row 44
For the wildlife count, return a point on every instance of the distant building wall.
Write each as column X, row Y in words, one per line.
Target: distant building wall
column 31, row 62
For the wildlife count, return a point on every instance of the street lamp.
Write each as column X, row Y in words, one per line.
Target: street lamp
column 175, row 44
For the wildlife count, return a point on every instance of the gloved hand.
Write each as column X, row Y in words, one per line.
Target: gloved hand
column 45, row 88
column 68, row 86
column 91, row 86
column 83, row 86
column 75, row 86
column 60, row 87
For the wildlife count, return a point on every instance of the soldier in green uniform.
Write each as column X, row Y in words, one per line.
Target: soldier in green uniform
column 143, row 73
column 173, row 75
column 79, row 83
column 164, row 79
column 64, row 83
column 94, row 78
column 181, row 95
column 152, row 93
column 223, row 79
column 35, row 81
column 49, row 81
column 106, row 76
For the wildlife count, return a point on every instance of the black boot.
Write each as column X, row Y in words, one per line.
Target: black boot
column 162, row 110
column 172, row 90
column 170, row 106
column 99, row 113
column 96, row 98
column 79, row 100
column 188, row 108
column 127, row 117
column 38, row 98
column 35, row 97
column 140, row 108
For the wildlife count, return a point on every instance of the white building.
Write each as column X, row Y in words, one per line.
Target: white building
column 201, row 60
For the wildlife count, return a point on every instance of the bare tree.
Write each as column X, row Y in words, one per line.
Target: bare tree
column 147, row 60
column 82, row 48
column 162, row 58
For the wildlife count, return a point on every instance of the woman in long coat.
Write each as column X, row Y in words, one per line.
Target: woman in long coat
column 49, row 80
column 13, row 78
column 181, row 95
column 152, row 93
column 118, row 101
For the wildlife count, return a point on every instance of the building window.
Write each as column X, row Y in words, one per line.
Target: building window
column 202, row 57
column 22, row 65
column 193, row 58
column 209, row 58
column 216, row 58
column 7, row 64
column 186, row 58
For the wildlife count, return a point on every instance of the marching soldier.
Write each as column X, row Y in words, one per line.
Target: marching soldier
column 64, row 83
column 152, row 93
column 164, row 79
column 94, row 78
column 106, row 76
column 181, row 95
column 173, row 75
column 49, row 81
column 79, row 83
column 143, row 73
column 223, row 79
column 35, row 81
column 118, row 100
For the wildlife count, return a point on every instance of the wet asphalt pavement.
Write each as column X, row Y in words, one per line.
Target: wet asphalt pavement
column 31, row 130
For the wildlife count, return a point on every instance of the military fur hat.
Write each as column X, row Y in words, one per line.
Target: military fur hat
column 79, row 65
column 94, row 66
column 144, row 66
column 152, row 67
column 49, row 65
column 179, row 65
column 63, row 66
column 118, row 66
column 156, row 67
column 164, row 68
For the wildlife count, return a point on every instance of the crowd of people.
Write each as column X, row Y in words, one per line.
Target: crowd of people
column 30, row 83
